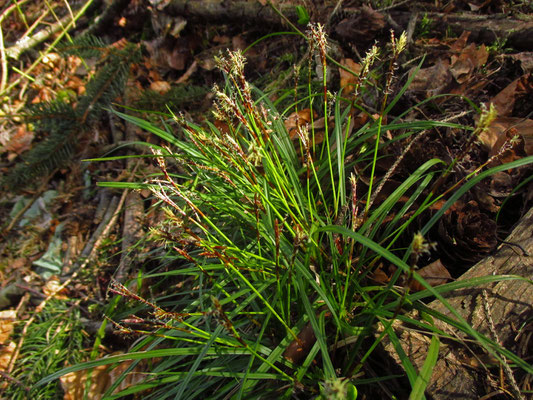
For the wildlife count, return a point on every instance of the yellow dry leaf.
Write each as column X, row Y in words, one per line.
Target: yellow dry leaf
column 349, row 80
column 7, row 318
column 296, row 119
column 5, row 356
column 53, row 287
column 102, row 377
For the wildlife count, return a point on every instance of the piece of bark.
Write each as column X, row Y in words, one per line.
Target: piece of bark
column 510, row 305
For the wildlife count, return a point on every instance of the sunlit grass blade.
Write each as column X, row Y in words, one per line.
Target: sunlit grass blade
column 427, row 369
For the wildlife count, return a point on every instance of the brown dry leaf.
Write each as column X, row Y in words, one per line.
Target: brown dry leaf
column 298, row 349
column 221, row 39
column 169, row 54
column 510, row 147
column 238, row 43
column 380, row 276
column 21, row 140
column 459, row 44
column 432, row 80
column 179, row 56
column 223, row 127
column 296, row 119
column 464, row 65
column 504, row 101
column 348, row 80
column 501, row 185
column 435, row 274
column 495, row 135
column 102, row 378
column 7, row 318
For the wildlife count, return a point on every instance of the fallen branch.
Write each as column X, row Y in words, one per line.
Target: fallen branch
column 31, row 41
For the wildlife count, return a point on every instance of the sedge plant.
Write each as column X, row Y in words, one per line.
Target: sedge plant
column 265, row 290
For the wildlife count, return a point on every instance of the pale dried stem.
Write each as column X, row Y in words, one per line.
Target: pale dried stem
column 505, row 365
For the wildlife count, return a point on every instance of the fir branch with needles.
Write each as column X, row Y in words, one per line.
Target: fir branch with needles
column 62, row 122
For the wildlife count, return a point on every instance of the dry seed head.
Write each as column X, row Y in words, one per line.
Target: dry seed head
column 420, row 245
column 254, row 154
column 222, row 63
column 398, row 45
column 300, row 236
column 303, row 134
column 226, row 103
column 353, row 180
column 234, row 66
column 237, row 62
column 318, row 37
column 370, row 58
column 179, row 118
column 232, row 145
column 159, row 157
column 218, row 113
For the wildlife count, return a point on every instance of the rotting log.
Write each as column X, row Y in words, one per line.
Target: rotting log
column 225, row 11
column 458, row 373
column 517, row 32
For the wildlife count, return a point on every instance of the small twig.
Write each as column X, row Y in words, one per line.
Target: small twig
column 332, row 14
column 100, row 232
column 394, row 24
column 17, row 382
column 393, row 168
column 29, row 42
column 411, row 27
column 394, row 5
column 49, row 48
column 510, row 244
column 11, row 8
column 506, row 369
column 3, row 60
column 191, row 70
column 35, row 24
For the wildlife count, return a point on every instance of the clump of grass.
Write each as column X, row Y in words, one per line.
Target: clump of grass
column 271, row 247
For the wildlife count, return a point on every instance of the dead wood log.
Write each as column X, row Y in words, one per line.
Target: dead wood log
column 510, row 304
column 239, row 10
column 517, row 32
